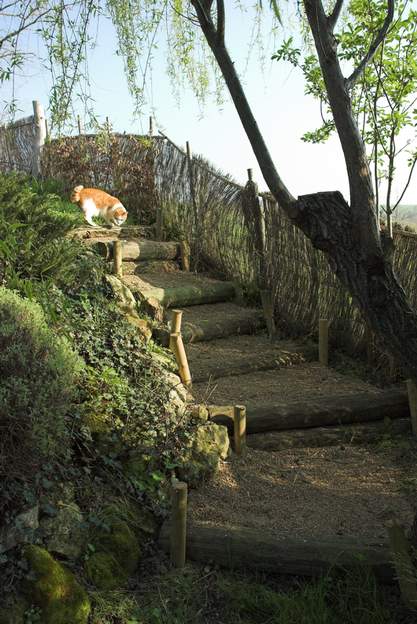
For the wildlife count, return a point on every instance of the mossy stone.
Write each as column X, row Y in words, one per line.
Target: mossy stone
column 54, row 589
column 122, row 550
column 201, row 459
column 104, row 571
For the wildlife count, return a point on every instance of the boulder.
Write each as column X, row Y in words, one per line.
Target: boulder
column 127, row 304
column 53, row 588
column 201, row 459
column 115, row 557
column 64, row 533
column 21, row 531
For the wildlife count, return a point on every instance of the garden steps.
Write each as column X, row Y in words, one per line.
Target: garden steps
column 208, row 322
column 242, row 355
column 86, row 233
column 180, row 288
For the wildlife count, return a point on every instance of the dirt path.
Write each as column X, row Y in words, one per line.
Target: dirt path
column 321, row 493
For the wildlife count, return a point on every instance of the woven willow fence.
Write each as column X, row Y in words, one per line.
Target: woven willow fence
column 249, row 239
column 122, row 164
column 16, row 146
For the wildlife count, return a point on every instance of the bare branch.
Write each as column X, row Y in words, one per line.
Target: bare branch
column 24, row 26
column 407, row 183
column 334, row 16
column 374, row 46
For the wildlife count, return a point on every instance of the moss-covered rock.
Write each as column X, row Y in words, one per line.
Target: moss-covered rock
column 64, row 533
column 201, row 459
column 104, row 571
column 121, row 551
column 54, row 589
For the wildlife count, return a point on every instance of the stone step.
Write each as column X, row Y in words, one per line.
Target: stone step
column 238, row 355
column 201, row 323
column 179, row 288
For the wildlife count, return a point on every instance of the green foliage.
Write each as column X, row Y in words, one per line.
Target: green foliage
column 38, row 372
column 384, row 97
column 33, row 224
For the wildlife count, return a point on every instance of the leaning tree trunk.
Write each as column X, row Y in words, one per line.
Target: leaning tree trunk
column 347, row 234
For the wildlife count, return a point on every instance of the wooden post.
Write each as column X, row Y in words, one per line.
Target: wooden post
column 268, row 310
column 412, row 400
column 46, row 130
column 151, row 130
column 178, row 536
column 250, row 175
column 239, row 428
column 176, row 321
column 79, row 124
column 185, row 255
column 40, row 136
column 196, row 236
column 177, row 347
column 118, row 258
column 324, row 342
column 404, row 568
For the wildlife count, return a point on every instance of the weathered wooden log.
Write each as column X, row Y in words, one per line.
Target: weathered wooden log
column 338, row 410
column 412, row 401
column 140, row 250
column 328, row 436
column 203, row 331
column 188, row 295
column 236, row 547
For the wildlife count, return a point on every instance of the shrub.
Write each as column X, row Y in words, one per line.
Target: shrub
column 38, row 372
column 33, row 224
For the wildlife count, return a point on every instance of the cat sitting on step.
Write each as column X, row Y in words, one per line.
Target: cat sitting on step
column 96, row 203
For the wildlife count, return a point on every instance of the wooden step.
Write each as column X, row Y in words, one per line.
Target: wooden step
column 343, row 435
column 150, row 266
column 201, row 323
column 238, row 355
column 138, row 250
column 244, row 548
column 323, row 412
column 105, row 233
column 180, row 289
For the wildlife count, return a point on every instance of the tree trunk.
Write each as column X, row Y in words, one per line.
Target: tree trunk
column 348, row 235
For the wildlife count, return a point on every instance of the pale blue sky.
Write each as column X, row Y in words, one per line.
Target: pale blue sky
column 282, row 109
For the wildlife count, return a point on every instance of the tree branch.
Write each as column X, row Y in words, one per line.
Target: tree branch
column 23, row 27
column 334, row 16
column 373, row 47
column 407, row 183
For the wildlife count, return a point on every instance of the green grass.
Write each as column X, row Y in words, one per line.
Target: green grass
column 206, row 596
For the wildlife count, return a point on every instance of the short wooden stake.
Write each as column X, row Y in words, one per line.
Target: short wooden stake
column 176, row 321
column 406, row 574
column 151, row 130
column 118, row 258
column 268, row 310
column 79, row 124
column 39, row 138
column 178, row 523
column 177, row 347
column 239, row 428
column 185, row 255
column 412, row 400
column 250, row 175
column 324, row 342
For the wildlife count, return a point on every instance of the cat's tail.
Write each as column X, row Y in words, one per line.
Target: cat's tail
column 75, row 195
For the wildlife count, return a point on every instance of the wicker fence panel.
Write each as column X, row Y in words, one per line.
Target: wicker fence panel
column 121, row 164
column 17, row 146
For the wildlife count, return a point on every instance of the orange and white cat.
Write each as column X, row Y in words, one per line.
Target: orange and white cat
column 96, row 203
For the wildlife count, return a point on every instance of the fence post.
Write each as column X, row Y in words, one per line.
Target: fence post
column 80, row 126
column 196, row 236
column 324, row 342
column 178, row 537
column 151, row 128
column 239, row 428
column 176, row 321
column 40, row 136
column 185, row 255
